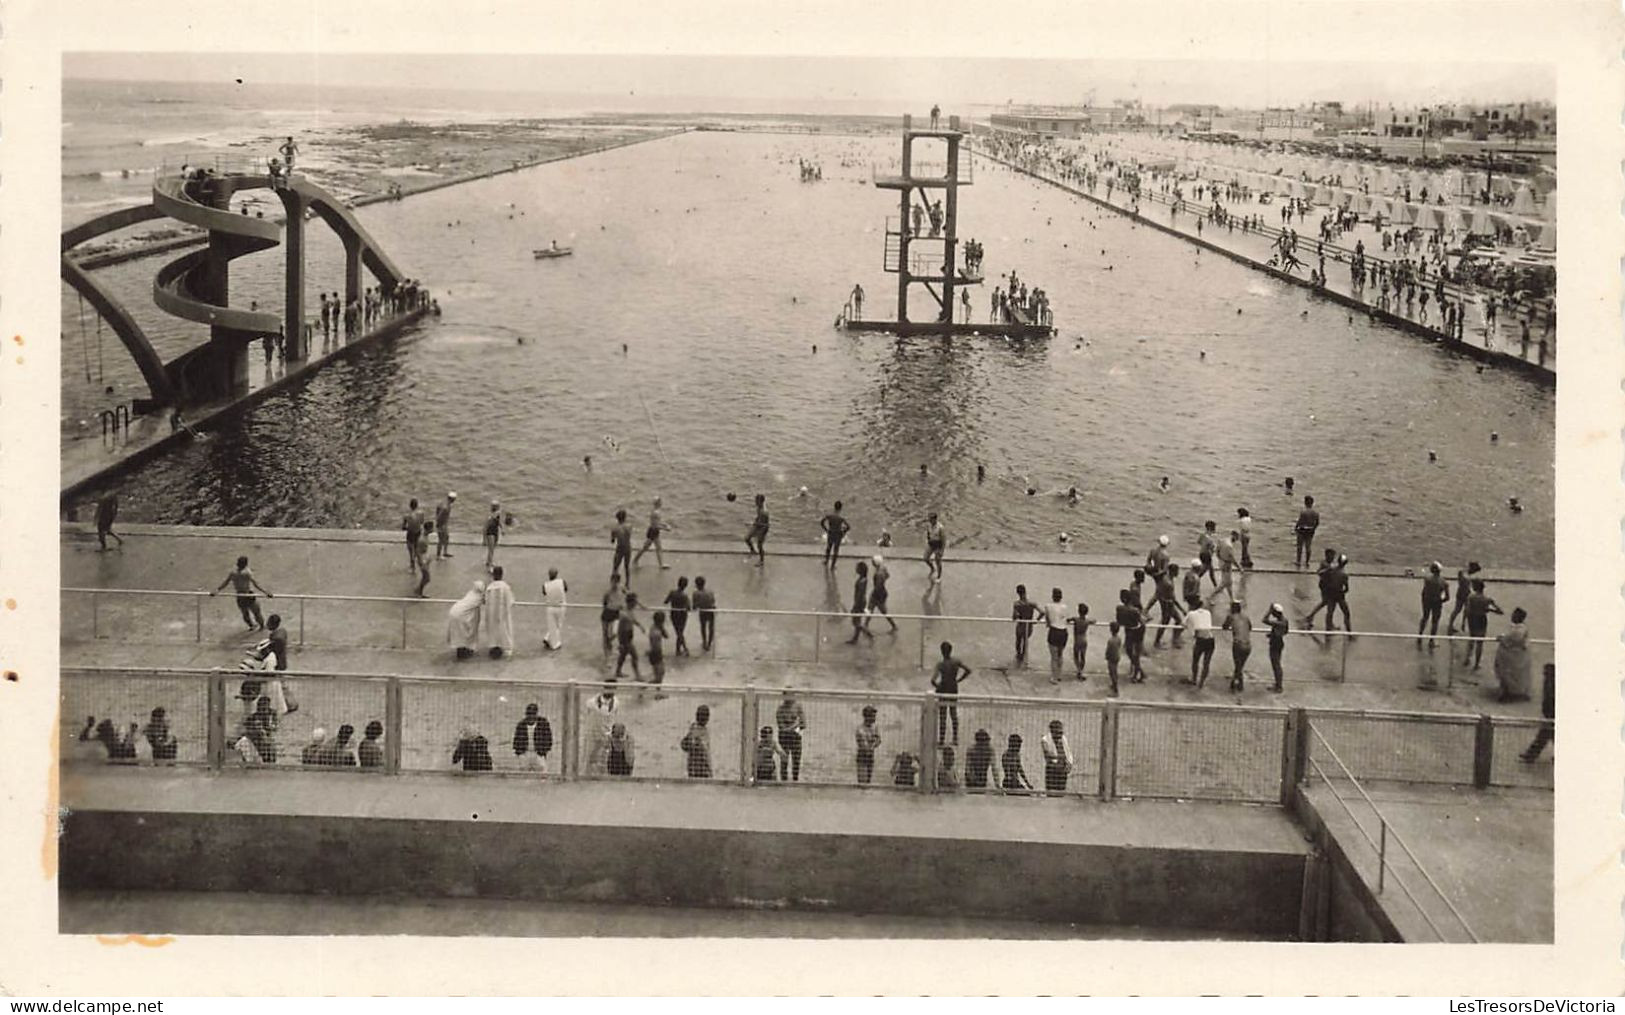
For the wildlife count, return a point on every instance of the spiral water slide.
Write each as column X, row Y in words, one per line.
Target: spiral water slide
column 196, row 286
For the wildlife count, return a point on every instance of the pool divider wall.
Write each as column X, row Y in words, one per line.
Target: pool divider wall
column 1235, row 891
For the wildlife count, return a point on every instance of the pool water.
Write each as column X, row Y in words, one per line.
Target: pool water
column 721, row 274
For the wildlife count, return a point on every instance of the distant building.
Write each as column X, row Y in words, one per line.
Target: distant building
column 1068, row 121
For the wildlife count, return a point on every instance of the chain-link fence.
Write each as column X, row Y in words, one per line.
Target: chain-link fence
column 136, row 717
column 1200, row 752
column 1400, row 747
column 770, row 736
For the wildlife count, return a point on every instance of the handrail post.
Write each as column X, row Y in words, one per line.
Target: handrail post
column 928, row 742
column 1108, row 750
column 1382, row 852
column 95, row 616
column 197, row 605
column 1343, row 666
column 922, row 643
column 1294, row 745
column 818, row 634
column 393, row 724
column 403, row 623
column 747, row 735
column 570, row 733
column 301, row 621
column 217, row 719
column 1483, row 751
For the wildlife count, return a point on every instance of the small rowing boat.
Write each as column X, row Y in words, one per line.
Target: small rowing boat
column 546, row 252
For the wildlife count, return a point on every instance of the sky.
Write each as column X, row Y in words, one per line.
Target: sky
column 955, row 82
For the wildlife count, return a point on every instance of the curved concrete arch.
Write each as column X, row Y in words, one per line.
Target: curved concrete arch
column 343, row 221
column 159, row 382
column 147, row 360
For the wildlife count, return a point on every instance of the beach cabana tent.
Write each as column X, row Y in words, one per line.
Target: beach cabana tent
column 1481, row 224
column 1427, row 217
column 1548, row 237
column 1523, row 202
column 1404, row 214
column 1323, row 195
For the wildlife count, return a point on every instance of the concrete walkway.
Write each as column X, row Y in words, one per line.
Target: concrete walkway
column 767, row 650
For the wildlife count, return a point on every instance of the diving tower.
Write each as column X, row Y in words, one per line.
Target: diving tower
column 930, row 258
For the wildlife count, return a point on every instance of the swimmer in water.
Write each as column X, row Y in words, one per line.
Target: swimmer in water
column 1288, row 484
column 885, row 538
column 981, row 473
column 1433, row 456
column 586, row 462
column 1494, row 436
column 801, row 492
column 1073, row 496
column 623, row 349
column 1164, row 486
column 1512, row 502
column 923, row 470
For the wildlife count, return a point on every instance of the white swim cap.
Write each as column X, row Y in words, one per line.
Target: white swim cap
column 1196, row 562
column 1162, row 540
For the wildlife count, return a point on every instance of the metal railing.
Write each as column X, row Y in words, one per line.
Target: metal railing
column 807, row 636
column 1385, row 832
column 425, row 724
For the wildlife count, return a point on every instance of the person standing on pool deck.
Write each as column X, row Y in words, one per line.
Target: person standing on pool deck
column 554, row 591
column 1164, row 598
column 1200, row 622
column 705, row 604
column 945, row 681
column 835, row 528
column 106, row 514
column 867, row 741
column 1548, row 710
column 756, row 538
column 1276, row 621
column 1327, row 581
column 1244, row 529
column 1132, row 622
column 791, row 720
column 1435, row 593
column 493, row 534
column 1023, row 612
column 1308, row 522
column 651, row 537
column 614, row 603
column 626, row 627
column 677, row 600
column 442, row 527
column 412, row 525
column 878, row 593
column 244, row 582
column 1205, row 542
column 1240, row 627
column 620, row 534
column 860, row 604
column 1226, row 550
column 1479, row 608
column 1156, row 562
column 935, row 541
column 496, row 616
column 422, row 553
column 1463, row 590
column 1057, row 625
column 1080, row 639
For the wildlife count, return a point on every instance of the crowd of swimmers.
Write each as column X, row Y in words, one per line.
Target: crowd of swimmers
column 1410, row 281
column 811, row 172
